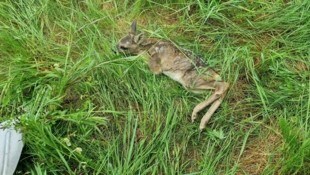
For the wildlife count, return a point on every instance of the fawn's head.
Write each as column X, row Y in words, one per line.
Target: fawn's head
column 133, row 42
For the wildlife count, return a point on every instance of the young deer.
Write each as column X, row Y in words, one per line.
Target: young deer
column 180, row 65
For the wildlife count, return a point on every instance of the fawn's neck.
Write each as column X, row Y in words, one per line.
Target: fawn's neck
column 148, row 43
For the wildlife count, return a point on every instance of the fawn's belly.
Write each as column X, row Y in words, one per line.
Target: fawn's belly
column 176, row 76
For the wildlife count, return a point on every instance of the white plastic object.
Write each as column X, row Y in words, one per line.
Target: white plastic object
column 11, row 146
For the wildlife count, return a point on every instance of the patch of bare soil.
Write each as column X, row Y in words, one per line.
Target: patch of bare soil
column 72, row 99
column 260, row 152
column 297, row 66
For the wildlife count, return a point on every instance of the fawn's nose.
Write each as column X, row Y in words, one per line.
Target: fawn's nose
column 117, row 46
column 115, row 49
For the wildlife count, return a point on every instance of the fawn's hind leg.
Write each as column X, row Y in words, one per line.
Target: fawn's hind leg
column 205, row 119
column 203, row 105
column 215, row 99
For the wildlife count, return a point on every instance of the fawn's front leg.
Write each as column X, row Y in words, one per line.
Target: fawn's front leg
column 155, row 64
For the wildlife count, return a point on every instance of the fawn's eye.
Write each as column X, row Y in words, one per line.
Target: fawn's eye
column 123, row 48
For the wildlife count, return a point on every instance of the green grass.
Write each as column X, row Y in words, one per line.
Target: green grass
column 85, row 110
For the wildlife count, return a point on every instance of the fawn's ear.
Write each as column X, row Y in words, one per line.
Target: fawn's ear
column 138, row 38
column 146, row 41
column 134, row 27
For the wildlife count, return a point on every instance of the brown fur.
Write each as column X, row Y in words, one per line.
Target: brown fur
column 166, row 58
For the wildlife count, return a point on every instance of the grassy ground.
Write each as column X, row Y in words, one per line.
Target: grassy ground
column 85, row 110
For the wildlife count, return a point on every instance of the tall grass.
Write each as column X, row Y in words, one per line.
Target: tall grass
column 85, row 110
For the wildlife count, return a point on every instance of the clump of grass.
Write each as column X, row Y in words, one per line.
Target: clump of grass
column 85, row 110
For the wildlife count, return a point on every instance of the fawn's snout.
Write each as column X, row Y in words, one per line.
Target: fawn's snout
column 121, row 48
